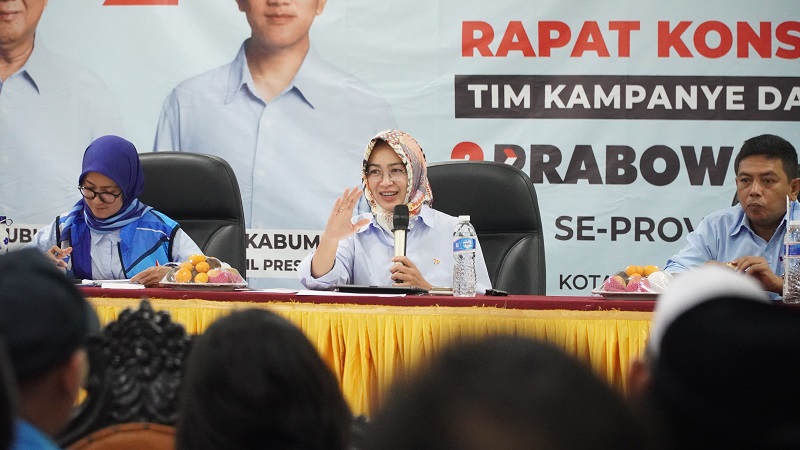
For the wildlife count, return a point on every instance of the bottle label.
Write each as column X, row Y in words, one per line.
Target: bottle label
column 463, row 244
column 791, row 249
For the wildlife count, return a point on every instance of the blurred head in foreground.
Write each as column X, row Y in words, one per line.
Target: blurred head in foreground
column 45, row 322
column 8, row 392
column 253, row 380
column 504, row 392
column 721, row 365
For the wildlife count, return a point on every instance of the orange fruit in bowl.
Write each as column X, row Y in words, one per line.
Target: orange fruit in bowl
column 201, row 277
column 183, row 275
column 634, row 270
column 187, row 265
column 198, row 258
column 202, row 267
column 649, row 270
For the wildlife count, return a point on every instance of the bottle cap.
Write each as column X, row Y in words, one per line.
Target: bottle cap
column 463, row 218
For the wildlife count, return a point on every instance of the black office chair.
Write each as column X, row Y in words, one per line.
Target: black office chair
column 201, row 193
column 501, row 202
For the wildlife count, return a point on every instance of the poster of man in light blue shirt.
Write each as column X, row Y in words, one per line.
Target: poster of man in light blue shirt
column 292, row 126
column 50, row 110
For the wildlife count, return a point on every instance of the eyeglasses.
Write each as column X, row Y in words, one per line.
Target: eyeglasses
column 105, row 197
column 395, row 173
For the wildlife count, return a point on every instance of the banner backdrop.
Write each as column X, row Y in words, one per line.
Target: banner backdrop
column 626, row 115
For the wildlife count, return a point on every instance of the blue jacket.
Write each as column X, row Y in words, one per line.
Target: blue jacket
column 142, row 243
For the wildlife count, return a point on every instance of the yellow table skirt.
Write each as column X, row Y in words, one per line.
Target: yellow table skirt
column 368, row 347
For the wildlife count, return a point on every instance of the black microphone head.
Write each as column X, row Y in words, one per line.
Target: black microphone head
column 400, row 220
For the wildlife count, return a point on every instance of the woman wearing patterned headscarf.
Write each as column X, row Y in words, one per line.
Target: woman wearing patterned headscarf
column 360, row 250
column 109, row 233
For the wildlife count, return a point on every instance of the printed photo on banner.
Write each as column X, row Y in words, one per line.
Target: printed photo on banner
column 626, row 116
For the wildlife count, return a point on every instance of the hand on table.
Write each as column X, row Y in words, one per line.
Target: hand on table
column 151, row 276
column 405, row 273
column 758, row 267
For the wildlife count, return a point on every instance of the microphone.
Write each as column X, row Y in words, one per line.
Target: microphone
column 400, row 227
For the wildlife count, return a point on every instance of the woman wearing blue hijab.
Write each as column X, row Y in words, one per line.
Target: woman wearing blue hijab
column 109, row 233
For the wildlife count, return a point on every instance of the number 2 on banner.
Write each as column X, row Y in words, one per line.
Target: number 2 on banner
column 139, row 2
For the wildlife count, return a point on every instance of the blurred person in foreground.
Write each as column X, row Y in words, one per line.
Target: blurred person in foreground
column 109, row 233
column 45, row 323
column 720, row 367
column 748, row 237
column 8, row 399
column 503, row 392
column 50, row 109
column 360, row 250
column 253, row 380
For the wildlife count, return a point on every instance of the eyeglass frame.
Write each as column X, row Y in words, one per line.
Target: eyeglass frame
column 380, row 173
column 99, row 194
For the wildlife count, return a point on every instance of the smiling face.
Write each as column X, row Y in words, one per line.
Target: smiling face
column 18, row 20
column 762, row 186
column 387, row 178
column 280, row 24
column 101, row 183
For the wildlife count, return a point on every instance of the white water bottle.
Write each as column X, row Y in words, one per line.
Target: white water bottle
column 464, row 242
column 791, row 263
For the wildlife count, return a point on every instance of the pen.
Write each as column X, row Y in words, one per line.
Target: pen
column 59, row 254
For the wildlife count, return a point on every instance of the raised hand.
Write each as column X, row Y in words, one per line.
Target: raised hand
column 339, row 226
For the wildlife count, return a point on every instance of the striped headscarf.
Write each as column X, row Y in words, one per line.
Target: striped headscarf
column 418, row 191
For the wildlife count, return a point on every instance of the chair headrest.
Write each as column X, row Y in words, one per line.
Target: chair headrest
column 485, row 190
column 205, row 187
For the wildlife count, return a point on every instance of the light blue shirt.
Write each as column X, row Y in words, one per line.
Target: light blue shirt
column 365, row 257
column 292, row 156
column 50, row 111
column 106, row 263
column 724, row 236
column 28, row 437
